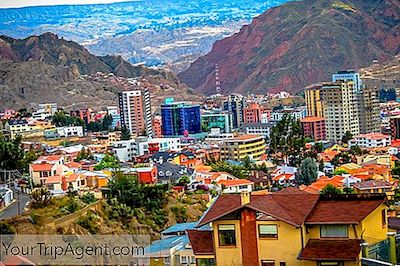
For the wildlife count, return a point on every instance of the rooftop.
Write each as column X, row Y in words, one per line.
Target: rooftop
column 317, row 249
column 312, row 119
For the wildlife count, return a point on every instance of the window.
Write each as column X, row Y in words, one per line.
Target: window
column 267, row 263
column 226, row 235
column 205, row 262
column 334, row 231
column 383, row 217
column 282, row 263
column 268, row 231
column 184, row 260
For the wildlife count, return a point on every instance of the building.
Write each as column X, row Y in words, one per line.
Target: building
column 314, row 127
column 236, row 185
column 157, row 127
column 314, row 103
column 340, row 110
column 135, row 112
column 375, row 186
column 125, row 150
column 113, row 111
column 368, row 110
column 297, row 113
column 179, row 118
column 371, row 140
column 45, row 110
column 217, row 136
column 253, row 113
column 84, row 114
column 235, row 104
column 290, row 227
column 395, row 127
column 217, row 119
column 257, row 129
column 71, row 131
column 242, row 146
column 349, row 75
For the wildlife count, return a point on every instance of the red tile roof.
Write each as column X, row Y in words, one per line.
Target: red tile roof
column 50, row 158
column 201, row 241
column 235, row 182
column 344, row 209
column 54, row 179
column 331, row 250
column 291, row 208
column 283, row 177
column 42, row 167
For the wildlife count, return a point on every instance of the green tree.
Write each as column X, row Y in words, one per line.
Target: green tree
column 11, row 153
column 40, row 197
column 346, row 137
column 84, row 155
column 109, row 161
column 125, row 134
column 308, row 171
column 287, row 138
column 330, row 190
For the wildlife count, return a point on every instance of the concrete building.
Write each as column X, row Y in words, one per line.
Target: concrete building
column 368, row 110
column 371, row 140
column 217, row 136
column 253, row 113
column 45, row 110
column 84, row 114
column 314, row 103
column 340, row 110
column 135, row 111
column 395, row 127
column 235, row 104
column 73, row 131
column 297, row 113
column 114, row 112
column 314, row 127
column 257, row 129
column 239, row 147
column 348, row 75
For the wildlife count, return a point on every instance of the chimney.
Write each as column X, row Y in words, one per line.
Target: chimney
column 244, row 198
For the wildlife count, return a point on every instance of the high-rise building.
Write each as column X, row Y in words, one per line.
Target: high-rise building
column 135, row 111
column 113, row 111
column 368, row 103
column 235, row 104
column 238, row 148
column 340, row 109
column 253, row 113
column 179, row 118
column 395, row 127
column 348, row 75
column 314, row 103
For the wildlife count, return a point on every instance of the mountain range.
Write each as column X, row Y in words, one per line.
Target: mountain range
column 172, row 33
column 299, row 43
column 47, row 68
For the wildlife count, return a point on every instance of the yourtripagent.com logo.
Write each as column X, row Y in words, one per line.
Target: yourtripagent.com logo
column 74, row 250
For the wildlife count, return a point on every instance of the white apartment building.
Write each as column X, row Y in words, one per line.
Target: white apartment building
column 371, row 140
column 72, row 131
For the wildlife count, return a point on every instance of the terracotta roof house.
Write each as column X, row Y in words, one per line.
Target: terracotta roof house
column 289, row 227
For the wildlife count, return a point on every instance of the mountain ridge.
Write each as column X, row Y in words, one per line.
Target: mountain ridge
column 46, row 68
column 299, row 43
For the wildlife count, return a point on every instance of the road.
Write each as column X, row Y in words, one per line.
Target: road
column 12, row 209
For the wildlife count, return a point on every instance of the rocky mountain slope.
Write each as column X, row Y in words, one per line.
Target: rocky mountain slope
column 46, row 68
column 298, row 43
column 383, row 75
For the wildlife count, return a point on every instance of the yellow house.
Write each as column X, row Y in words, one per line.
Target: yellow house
column 290, row 227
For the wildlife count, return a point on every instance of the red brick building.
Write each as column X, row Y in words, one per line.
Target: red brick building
column 147, row 175
column 157, row 129
column 314, row 127
column 252, row 114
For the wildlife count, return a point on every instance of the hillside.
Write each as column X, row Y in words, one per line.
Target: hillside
column 298, row 43
column 46, row 68
column 383, row 75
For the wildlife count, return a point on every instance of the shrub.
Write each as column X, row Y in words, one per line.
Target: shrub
column 180, row 213
column 88, row 198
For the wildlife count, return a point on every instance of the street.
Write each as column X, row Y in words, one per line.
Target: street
column 12, row 209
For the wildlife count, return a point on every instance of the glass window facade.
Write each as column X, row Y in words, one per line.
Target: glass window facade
column 179, row 117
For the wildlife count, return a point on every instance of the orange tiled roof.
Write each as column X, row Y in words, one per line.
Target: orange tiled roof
column 235, row 182
column 42, row 167
column 283, row 176
column 323, row 181
column 73, row 177
column 54, row 179
column 49, row 158
column 312, row 119
column 73, row 165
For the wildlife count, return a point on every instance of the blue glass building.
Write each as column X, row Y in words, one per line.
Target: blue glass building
column 177, row 117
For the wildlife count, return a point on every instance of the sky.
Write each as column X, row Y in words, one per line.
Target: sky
column 22, row 3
